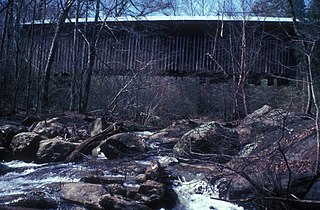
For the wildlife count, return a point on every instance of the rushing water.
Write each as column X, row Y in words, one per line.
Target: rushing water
column 29, row 175
column 197, row 194
column 25, row 178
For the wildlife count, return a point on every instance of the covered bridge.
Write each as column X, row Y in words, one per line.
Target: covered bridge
column 209, row 46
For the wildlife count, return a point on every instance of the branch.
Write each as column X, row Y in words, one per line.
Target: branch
column 6, row 6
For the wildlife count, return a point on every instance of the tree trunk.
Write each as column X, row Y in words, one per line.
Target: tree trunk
column 10, row 75
column 91, row 61
column 52, row 51
column 243, row 70
column 308, row 48
column 30, row 59
column 75, row 64
column 17, row 56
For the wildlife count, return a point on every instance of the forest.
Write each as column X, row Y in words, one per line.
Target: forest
column 159, row 104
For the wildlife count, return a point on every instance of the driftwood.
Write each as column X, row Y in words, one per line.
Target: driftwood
column 94, row 141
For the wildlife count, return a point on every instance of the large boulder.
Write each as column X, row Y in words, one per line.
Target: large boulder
column 34, row 200
column 169, row 136
column 122, row 144
column 210, row 139
column 117, row 202
column 276, row 158
column 29, row 120
column 25, row 145
column 5, row 169
column 54, row 150
column 83, row 193
column 50, row 128
column 314, row 192
column 5, row 154
column 263, row 120
column 7, row 132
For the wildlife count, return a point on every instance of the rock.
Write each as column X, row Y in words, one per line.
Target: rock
column 104, row 179
column 153, row 194
column 113, row 184
column 83, row 193
column 5, row 154
column 167, row 161
column 29, row 120
column 152, row 188
column 54, row 150
column 126, row 142
column 262, row 162
column 155, row 172
column 211, row 139
column 117, row 189
column 5, row 169
column 122, row 144
column 97, row 126
column 117, row 202
column 235, row 187
column 262, row 120
column 314, row 192
column 140, row 178
column 7, row 132
column 25, row 145
column 169, row 136
column 35, row 200
column 51, row 128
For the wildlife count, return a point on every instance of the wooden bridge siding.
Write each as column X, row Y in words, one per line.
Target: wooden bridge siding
column 177, row 52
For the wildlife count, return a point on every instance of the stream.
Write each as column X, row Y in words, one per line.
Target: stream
column 30, row 179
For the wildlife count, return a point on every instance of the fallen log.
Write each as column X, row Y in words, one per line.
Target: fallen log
column 90, row 143
column 300, row 203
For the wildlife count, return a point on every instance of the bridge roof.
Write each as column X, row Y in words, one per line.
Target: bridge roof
column 174, row 19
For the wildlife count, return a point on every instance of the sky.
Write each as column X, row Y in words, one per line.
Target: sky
column 213, row 7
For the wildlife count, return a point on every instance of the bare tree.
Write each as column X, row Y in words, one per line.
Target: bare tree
column 47, row 71
column 308, row 39
column 74, row 59
column 91, row 58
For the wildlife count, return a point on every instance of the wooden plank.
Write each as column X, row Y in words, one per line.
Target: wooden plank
column 186, row 53
column 136, row 53
column 176, row 52
column 183, row 53
column 276, row 57
column 193, row 56
column 130, row 51
column 104, row 54
column 203, row 51
column 125, row 52
column 198, row 54
column 122, row 53
column 169, row 54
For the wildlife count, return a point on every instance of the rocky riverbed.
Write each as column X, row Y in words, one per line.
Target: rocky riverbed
column 267, row 160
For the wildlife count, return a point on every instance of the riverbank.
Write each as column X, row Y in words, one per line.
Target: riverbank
column 267, row 160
